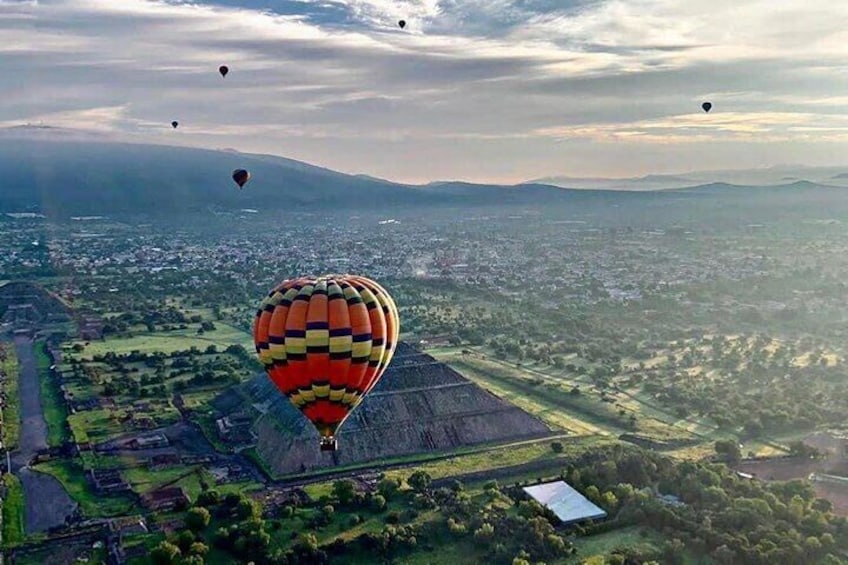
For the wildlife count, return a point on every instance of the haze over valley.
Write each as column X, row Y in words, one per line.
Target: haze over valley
column 423, row 282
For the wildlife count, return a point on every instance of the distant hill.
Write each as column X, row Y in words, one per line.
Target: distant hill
column 648, row 182
column 726, row 188
column 767, row 176
column 67, row 177
column 61, row 173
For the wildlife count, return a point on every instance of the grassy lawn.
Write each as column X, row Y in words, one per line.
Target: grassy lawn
column 104, row 424
column 142, row 480
column 544, row 392
column 93, row 505
column 11, row 413
column 167, row 342
column 549, row 405
column 502, row 456
column 87, row 557
column 55, row 413
column 13, row 512
column 448, row 554
column 604, row 544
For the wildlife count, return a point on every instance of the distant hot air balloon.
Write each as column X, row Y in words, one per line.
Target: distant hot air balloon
column 707, row 106
column 223, row 69
column 402, row 24
column 174, row 124
column 241, row 177
column 325, row 342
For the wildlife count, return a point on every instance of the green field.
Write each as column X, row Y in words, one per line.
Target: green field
column 502, row 456
column 546, row 395
column 11, row 412
column 167, row 342
column 93, row 505
column 538, row 404
column 55, row 413
column 13, row 512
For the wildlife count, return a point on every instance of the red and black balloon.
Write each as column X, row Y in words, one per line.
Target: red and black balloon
column 325, row 342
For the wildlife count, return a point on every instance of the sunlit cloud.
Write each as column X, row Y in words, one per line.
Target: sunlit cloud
column 754, row 127
column 481, row 89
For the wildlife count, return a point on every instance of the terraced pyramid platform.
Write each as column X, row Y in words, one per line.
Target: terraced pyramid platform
column 420, row 405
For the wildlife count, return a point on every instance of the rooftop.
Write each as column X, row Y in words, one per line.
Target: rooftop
column 568, row 504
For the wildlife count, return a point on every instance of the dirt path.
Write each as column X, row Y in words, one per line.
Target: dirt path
column 47, row 503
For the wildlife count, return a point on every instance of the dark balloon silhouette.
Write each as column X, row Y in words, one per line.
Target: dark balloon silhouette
column 241, row 177
column 174, row 124
column 223, row 69
column 707, row 106
column 402, row 24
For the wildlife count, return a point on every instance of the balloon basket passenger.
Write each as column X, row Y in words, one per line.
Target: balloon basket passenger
column 329, row 444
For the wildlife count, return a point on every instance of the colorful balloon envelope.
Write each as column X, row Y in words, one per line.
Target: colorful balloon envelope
column 325, row 342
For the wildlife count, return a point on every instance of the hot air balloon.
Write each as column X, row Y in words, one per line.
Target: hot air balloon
column 325, row 342
column 402, row 24
column 707, row 106
column 223, row 69
column 174, row 124
column 241, row 177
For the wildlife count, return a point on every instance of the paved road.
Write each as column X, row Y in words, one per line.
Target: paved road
column 47, row 503
column 33, row 427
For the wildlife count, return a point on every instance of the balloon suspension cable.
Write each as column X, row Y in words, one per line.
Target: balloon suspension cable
column 328, row 443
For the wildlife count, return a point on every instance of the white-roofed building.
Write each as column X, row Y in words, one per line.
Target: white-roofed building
column 565, row 502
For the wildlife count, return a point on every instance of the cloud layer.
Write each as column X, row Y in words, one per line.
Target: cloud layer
column 478, row 89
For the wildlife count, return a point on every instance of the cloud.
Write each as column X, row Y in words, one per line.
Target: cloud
column 104, row 119
column 752, row 127
column 468, row 83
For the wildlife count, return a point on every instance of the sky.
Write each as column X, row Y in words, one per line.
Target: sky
column 477, row 90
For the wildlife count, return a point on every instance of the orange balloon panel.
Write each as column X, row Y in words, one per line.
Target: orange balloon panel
column 325, row 342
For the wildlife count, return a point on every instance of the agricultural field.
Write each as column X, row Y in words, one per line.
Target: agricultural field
column 575, row 405
column 55, row 411
column 167, row 342
column 129, row 390
column 11, row 421
column 13, row 511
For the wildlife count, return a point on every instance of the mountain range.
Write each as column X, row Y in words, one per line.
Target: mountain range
column 61, row 173
column 766, row 176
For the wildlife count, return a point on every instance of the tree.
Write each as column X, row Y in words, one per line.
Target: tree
column 388, row 487
column 378, row 501
column 198, row 548
column 344, row 491
column 247, row 508
column 484, row 533
column 729, row 450
column 419, row 481
column 673, row 551
column 165, row 553
column 197, row 519
column 208, row 498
